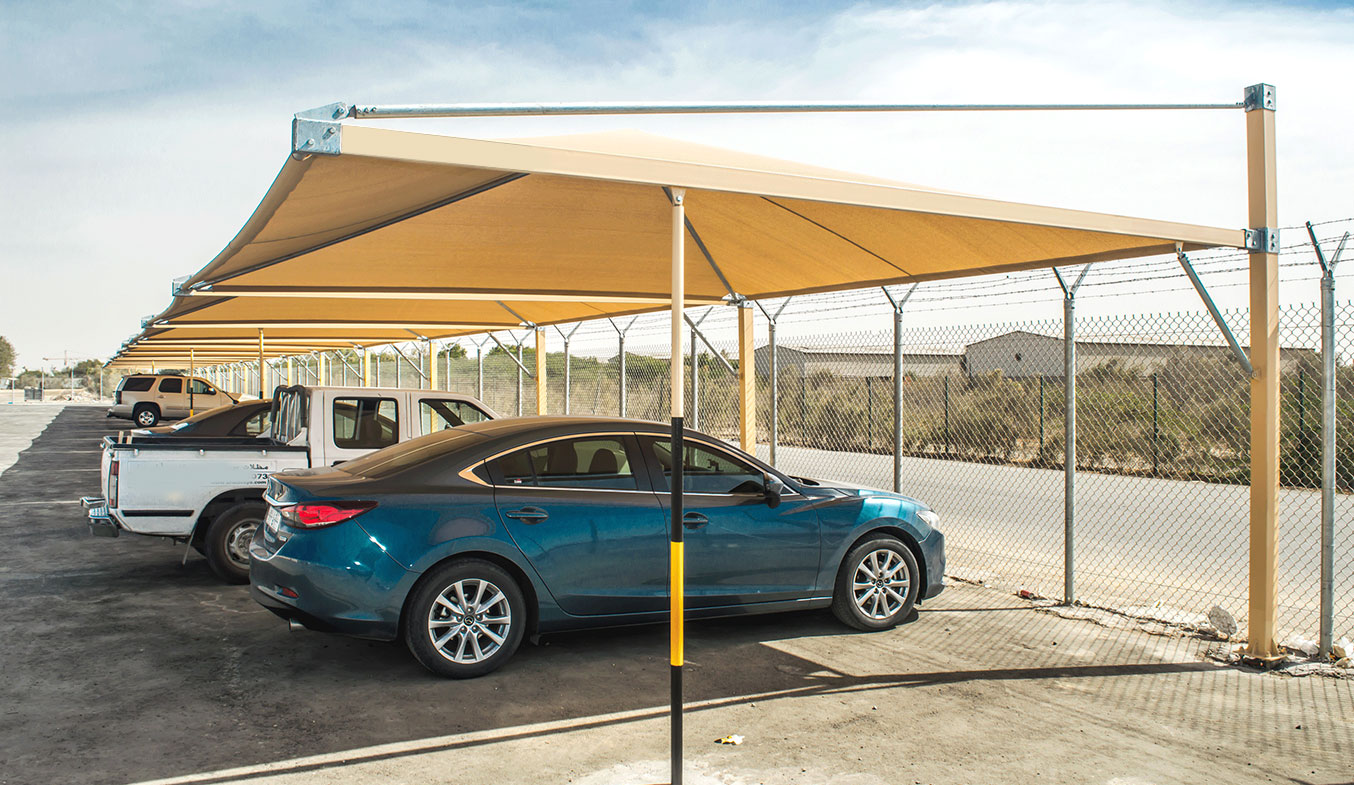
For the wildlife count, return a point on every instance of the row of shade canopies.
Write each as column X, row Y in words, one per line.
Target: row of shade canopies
column 371, row 236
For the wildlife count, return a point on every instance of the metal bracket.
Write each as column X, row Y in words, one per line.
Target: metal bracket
column 1262, row 240
column 318, row 130
column 1259, row 96
column 176, row 285
column 147, row 321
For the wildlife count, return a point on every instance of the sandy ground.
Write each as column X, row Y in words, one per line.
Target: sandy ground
column 122, row 666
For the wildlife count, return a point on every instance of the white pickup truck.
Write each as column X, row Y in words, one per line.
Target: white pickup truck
column 208, row 493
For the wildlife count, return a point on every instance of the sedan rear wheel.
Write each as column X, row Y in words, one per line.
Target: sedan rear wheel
column 876, row 585
column 465, row 619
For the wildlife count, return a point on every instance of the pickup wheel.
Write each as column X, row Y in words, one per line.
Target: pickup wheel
column 226, row 545
column 147, row 415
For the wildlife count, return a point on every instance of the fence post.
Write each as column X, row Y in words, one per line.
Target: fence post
column 898, row 384
column 1327, row 442
column 1070, row 432
column 947, row 414
column 519, row 377
column 1156, row 429
column 869, row 414
column 775, row 376
column 1041, row 414
column 479, row 370
column 1302, row 405
column 620, row 340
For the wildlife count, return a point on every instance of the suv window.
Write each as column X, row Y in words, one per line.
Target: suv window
column 438, row 415
column 171, row 385
column 136, row 383
column 365, row 423
column 598, row 462
column 199, row 387
column 705, row 470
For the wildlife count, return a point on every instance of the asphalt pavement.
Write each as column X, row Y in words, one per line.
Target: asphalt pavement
column 123, row 664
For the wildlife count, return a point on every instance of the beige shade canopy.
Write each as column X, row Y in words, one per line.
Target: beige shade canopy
column 405, row 235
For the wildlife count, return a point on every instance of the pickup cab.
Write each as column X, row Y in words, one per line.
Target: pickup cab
column 208, row 492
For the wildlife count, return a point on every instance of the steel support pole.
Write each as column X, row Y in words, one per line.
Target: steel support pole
column 1328, row 378
column 775, row 387
column 695, row 381
column 1263, row 214
column 1069, row 448
column 540, row 372
column 366, row 367
column 620, row 349
column 897, row 400
column 479, row 370
column 291, row 373
column 432, row 365
column 568, row 379
column 520, row 369
column 676, row 580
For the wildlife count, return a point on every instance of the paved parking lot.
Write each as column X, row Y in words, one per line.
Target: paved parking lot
column 122, row 665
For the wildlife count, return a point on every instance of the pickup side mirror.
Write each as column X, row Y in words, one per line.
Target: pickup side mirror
column 772, row 490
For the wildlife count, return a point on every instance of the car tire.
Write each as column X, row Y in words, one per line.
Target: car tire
column 871, row 582
column 465, row 618
column 146, row 415
column 226, row 545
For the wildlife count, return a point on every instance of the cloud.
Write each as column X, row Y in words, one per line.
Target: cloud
column 138, row 137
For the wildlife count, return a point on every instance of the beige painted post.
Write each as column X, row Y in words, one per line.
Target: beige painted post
column 366, row 367
column 192, row 371
column 1264, row 289
column 432, row 366
column 263, row 369
column 320, row 369
column 747, row 381
column 291, row 373
column 540, row 370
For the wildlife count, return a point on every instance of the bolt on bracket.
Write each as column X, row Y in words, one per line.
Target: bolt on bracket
column 1262, row 239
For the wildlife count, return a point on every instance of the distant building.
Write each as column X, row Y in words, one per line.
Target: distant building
column 856, row 361
column 1017, row 355
column 1021, row 354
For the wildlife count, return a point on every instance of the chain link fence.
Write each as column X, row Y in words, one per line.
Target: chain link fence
column 1162, row 416
column 1162, row 442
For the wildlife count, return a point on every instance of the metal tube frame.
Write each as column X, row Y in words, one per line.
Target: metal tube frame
column 898, row 303
column 1328, row 436
column 1070, row 432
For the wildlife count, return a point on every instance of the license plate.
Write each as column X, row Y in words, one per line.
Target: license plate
column 272, row 521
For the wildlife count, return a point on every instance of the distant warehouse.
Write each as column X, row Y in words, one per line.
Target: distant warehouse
column 1017, row 355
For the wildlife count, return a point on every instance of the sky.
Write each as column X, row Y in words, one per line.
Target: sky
column 137, row 137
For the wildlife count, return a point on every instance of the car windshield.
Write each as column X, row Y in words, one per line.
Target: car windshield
column 399, row 457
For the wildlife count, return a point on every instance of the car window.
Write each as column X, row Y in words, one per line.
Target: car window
column 171, row 385
column 438, row 415
column 199, row 387
column 253, row 425
column 365, row 423
column 705, row 470
column 136, row 383
column 597, row 462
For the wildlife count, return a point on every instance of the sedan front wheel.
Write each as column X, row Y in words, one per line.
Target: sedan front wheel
column 877, row 585
column 465, row 619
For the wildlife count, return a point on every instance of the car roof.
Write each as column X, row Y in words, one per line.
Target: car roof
column 550, row 425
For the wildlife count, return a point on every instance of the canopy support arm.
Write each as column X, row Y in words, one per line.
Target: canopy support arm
column 696, row 331
column 417, row 365
column 1214, row 312
column 500, row 345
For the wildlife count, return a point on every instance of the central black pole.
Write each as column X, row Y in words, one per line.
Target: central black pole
column 676, row 596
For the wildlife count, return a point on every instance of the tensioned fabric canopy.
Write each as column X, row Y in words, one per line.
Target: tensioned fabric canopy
column 394, row 235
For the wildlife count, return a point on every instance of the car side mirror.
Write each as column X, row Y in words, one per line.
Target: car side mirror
column 772, row 490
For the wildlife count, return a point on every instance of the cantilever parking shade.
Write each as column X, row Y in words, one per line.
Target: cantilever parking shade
column 388, row 235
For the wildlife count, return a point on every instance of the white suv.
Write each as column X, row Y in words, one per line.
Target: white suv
column 147, row 399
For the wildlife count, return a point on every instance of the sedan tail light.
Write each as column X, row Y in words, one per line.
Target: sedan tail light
column 317, row 515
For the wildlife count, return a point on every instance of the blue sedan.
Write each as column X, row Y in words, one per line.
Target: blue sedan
column 465, row 541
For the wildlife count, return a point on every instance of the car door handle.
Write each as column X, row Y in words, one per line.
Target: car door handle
column 694, row 520
column 528, row 514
